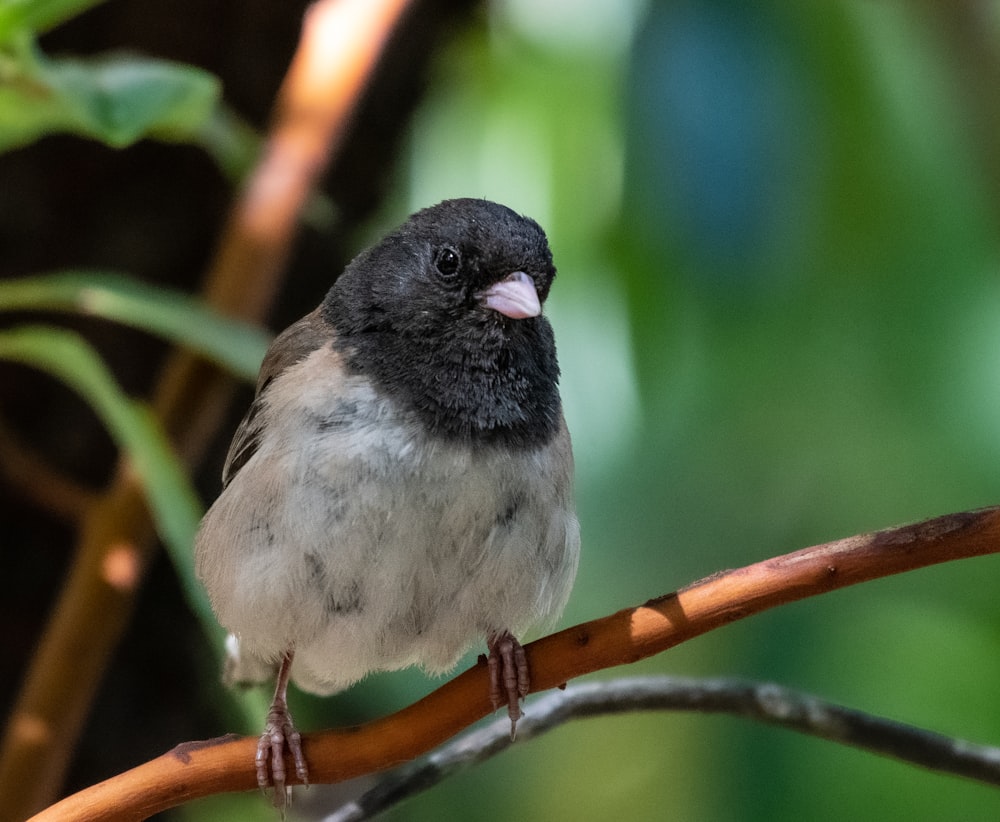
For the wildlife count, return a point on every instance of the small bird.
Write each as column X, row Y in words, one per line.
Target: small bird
column 401, row 485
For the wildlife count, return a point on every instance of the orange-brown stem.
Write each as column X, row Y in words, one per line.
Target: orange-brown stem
column 201, row 768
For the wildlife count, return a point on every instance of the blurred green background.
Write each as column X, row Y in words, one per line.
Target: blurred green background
column 778, row 318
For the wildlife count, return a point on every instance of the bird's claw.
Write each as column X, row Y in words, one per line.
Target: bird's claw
column 279, row 734
column 510, row 679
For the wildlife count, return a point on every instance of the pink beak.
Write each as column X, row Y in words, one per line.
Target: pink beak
column 514, row 296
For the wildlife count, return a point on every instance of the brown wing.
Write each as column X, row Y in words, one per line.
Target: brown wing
column 292, row 345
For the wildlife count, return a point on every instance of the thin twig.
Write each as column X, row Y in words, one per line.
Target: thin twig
column 313, row 108
column 199, row 769
column 764, row 702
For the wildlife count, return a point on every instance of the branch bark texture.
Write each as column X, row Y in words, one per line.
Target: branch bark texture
column 201, row 768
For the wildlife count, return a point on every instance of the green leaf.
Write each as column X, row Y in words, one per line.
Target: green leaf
column 29, row 16
column 115, row 98
column 236, row 346
column 172, row 501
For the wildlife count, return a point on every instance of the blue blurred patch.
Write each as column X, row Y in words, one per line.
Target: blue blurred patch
column 719, row 134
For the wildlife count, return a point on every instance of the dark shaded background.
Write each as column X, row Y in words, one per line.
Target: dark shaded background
column 155, row 211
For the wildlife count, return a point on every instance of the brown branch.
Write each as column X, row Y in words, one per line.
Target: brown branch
column 201, row 768
column 340, row 46
column 762, row 701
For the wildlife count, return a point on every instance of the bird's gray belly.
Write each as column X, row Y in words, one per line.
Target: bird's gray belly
column 368, row 551
column 425, row 551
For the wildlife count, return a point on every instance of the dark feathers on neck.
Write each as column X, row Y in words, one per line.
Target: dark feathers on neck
column 469, row 373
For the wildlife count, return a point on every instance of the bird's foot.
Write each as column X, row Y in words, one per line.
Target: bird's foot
column 510, row 679
column 279, row 734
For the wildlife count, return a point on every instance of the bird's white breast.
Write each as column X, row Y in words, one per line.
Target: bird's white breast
column 365, row 544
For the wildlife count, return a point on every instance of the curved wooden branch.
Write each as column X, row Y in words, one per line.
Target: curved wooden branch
column 198, row 769
column 116, row 540
column 761, row 701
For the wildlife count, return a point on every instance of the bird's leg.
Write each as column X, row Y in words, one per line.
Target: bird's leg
column 279, row 731
column 510, row 679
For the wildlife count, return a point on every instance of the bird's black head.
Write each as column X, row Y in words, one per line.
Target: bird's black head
column 445, row 315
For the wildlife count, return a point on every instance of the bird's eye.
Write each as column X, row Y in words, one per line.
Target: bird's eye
column 447, row 262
